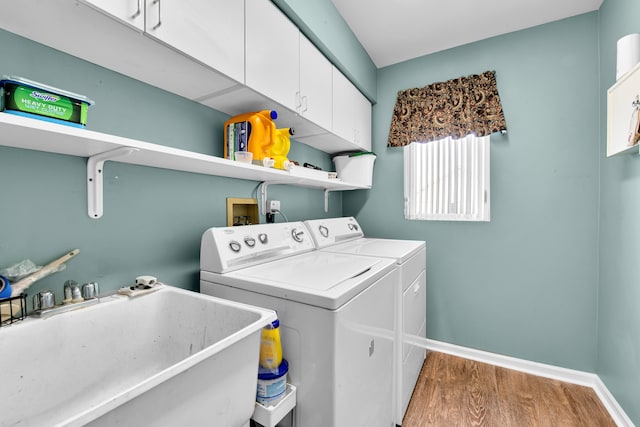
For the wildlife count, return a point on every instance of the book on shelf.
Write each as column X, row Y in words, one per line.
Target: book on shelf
column 237, row 138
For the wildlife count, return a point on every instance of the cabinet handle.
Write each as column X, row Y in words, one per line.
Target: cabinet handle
column 297, row 101
column 155, row 27
column 306, row 105
column 135, row 15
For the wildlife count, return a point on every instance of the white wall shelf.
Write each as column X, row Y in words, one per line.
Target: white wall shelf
column 622, row 113
column 32, row 134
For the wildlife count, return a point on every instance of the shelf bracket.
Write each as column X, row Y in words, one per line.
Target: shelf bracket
column 95, row 167
column 263, row 197
column 326, row 200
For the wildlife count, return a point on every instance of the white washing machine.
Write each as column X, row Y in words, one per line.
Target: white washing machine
column 344, row 235
column 336, row 319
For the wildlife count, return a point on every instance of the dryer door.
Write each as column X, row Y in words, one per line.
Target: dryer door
column 364, row 357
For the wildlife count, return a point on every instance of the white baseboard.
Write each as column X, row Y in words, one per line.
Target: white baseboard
column 610, row 402
column 540, row 369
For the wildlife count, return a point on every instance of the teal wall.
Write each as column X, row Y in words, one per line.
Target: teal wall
column 619, row 297
column 524, row 284
column 153, row 218
column 321, row 22
column 554, row 276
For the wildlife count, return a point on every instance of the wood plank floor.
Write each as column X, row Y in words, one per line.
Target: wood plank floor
column 452, row 391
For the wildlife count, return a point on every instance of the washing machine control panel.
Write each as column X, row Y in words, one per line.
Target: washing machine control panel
column 297, row 235
column 226, row 249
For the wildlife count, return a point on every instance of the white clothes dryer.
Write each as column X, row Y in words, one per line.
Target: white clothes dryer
column 335, row 311
column 344, row 235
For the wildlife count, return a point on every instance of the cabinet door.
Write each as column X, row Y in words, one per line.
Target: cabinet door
column 129, row 11
column 209, row 31
column 315, row 84
column 272, row 54
column 362, row 118
column 351, row 112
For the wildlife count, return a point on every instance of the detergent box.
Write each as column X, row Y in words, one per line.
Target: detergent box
column 27, row 98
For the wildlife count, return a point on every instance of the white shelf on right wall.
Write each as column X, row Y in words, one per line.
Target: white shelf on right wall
column 622, row 114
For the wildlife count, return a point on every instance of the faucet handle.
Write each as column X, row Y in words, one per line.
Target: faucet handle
column 90, row 290
column 76, row 295
column 72, row 292
column 44, row 300
column 68, row 292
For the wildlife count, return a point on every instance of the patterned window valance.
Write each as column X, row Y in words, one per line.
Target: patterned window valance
column 453, row 108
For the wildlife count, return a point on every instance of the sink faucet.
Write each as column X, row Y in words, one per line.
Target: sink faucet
column 74, row 297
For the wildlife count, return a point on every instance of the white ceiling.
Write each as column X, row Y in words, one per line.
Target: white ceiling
column 393, row 31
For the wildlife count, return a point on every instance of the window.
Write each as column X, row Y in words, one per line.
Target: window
column 447, row 179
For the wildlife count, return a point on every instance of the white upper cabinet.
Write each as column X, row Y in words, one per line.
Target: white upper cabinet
column 209, row 31
column 351, row 112
column 272, row 53
column 100, row 36
column 282, row 64
column 128, row 11
column 316, row 96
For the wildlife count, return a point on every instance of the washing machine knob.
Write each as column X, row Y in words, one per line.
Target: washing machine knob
column 263, row 238
column 297, row 235
column 250, row 241
column 324, row 231
column 234, row 246
column 353, row 226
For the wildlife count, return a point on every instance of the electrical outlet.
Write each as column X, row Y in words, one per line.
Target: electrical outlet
column 273, row 206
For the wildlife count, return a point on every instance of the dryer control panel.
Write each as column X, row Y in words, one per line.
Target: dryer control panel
column 329, row 231
column 225, row 249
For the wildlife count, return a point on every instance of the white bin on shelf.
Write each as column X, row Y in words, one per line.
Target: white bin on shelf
column 356, row 168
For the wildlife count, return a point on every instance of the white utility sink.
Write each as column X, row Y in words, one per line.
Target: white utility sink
column 168, row 358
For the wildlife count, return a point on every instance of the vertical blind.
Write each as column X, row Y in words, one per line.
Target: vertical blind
column 447, row 179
